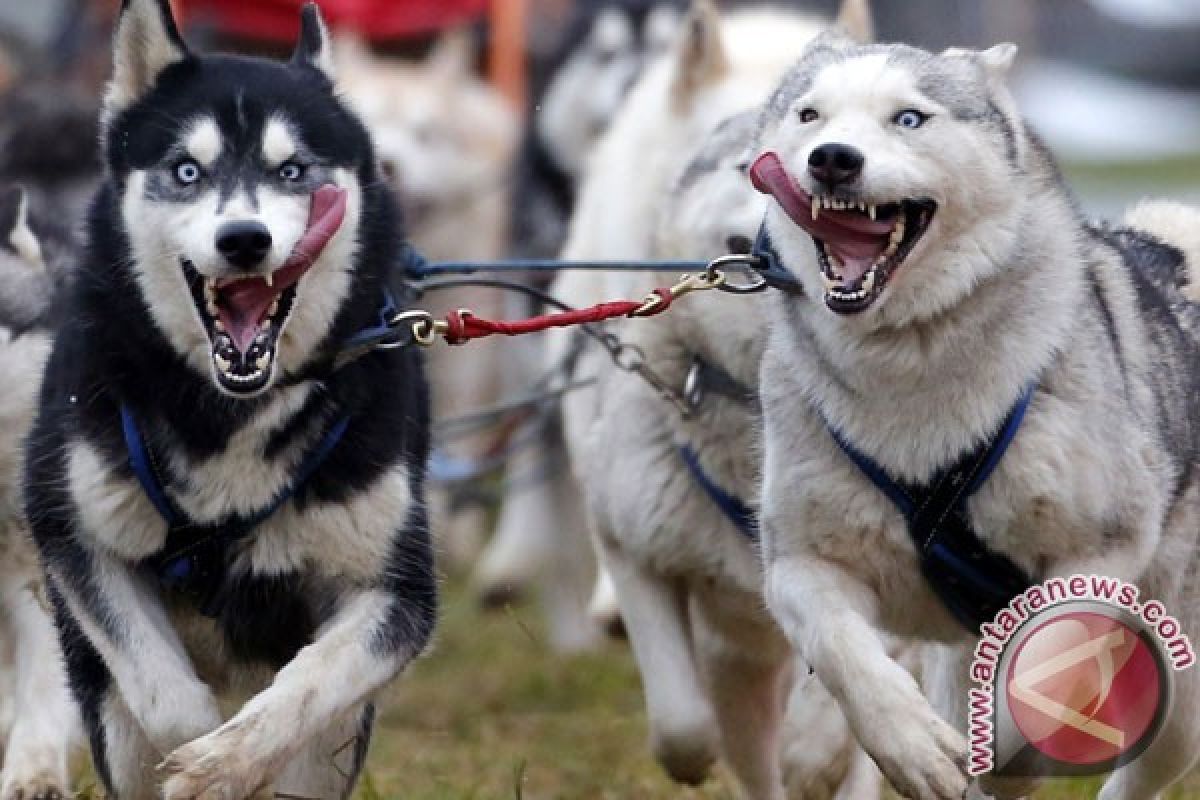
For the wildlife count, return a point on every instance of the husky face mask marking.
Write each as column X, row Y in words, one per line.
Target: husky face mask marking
column 875, row 154
column 241, row 215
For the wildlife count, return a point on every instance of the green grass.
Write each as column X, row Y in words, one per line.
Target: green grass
column 1182, row 172
column 491, row 714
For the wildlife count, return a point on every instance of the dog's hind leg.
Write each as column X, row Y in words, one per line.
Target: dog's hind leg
column 683, row 728
column 45, row 720
column 745, row 666
column 820, row 757
column 329, row 765
column 1171, row 755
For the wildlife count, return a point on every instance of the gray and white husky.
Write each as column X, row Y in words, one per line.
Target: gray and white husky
column 945, row 270
column 40, row 724
column 225, row 484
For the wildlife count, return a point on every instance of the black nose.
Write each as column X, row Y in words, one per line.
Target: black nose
column 836, row 164
column 244, row 243
column 739, row 244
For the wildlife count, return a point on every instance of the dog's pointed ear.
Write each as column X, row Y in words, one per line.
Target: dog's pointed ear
column 998, row 61
column 855, row 20
column 145, row 43
column 453, row 57
column 313, row 48
column 14, row 225
column 700, row 57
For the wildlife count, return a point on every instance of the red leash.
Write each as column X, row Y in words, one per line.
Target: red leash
column 460, row 327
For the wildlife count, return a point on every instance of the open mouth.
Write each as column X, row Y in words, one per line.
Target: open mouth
column 860, row 242
column 244, row 316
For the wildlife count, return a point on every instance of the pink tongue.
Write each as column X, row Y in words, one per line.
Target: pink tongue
column 242, row 305
column 856, row 239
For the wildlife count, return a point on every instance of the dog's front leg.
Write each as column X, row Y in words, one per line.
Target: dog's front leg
column 370, row 638
column 825, row 613
column 122, row 615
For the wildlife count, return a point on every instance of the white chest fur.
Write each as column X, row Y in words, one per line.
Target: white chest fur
column 349, row 538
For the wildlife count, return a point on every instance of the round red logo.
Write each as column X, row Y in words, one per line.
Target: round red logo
column 1086, row 689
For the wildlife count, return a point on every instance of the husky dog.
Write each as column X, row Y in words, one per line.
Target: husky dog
column 715, row 68
column 446, row 141
column 41, row 725
column 675, row 523
column 946, row 270
column 227, row 500
column 606, row 46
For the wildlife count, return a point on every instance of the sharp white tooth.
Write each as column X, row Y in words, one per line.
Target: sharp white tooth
column 871, row 210
column 274, row 309
column 816, row 206
column 269, row 278
column 869, row 282
column 266, row 324
column 263, row 361
column 211, row 306
column 210, row 289
column 223, row 364
column 826, row 202
column 862, row 206
column 220, row 326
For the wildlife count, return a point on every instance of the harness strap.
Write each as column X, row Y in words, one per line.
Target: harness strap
column 736, row 511
column 772, row 270
column 973, row 581
column 143, row 468
column 195, row 556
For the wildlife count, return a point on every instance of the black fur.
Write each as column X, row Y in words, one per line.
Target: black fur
column 109, row 353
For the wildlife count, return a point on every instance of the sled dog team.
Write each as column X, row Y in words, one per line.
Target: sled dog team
column 228, row 499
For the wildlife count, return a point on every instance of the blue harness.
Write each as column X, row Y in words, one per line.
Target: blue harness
column 195, row 558
column 972, row 581
column 703, row 379
column 732, row 506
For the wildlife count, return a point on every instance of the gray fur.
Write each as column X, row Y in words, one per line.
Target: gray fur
column 1007, row 287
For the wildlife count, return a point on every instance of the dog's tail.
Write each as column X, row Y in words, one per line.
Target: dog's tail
column 1179, row 226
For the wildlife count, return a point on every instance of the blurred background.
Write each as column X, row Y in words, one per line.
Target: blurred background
column 483, row 112
column 1114, row 85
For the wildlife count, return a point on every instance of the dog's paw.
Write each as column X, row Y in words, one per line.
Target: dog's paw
column 922, row 756
column 36, row 787
column 179, row 716
column 209, row 769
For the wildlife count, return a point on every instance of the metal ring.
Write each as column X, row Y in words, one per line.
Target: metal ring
column 420, row 323
column 740, row 262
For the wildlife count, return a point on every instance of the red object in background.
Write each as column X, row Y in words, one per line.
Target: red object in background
column 279, row 20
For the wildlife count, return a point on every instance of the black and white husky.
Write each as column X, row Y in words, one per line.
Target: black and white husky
column 223, row 504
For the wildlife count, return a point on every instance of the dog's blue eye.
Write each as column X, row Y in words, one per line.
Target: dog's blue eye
column 808, row 115
column 187, row 172
column 910, row 119
column 291, row 171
